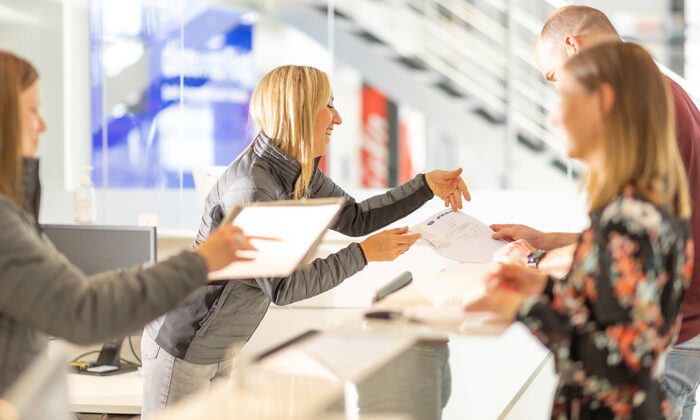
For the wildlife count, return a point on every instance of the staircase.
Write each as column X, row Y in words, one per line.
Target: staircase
column 462, row 63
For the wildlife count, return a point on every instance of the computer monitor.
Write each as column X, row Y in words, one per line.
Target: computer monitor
column 98, row 248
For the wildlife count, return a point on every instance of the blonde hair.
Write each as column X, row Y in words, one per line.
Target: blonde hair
column 16, row 75
column 285, row 104
column 639, row 139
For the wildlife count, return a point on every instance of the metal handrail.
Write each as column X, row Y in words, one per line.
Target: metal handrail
column 496, row 103
column 477, row 19
column 498, row 5
column 481, row 70
column 542, row 133
column 557, row 3
column 527, row 21
column 480, row 84
column 474, row 42
column 442, row 48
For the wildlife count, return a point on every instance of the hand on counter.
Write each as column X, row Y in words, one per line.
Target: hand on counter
column 521, row 279
column 388, row 244
column 506, row 288
column 449, row 186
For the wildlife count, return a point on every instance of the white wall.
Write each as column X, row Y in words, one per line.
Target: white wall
column 647, row 20
column 639, row 6
column 33, row 29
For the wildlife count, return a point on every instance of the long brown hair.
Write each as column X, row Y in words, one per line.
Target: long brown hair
column 285, row 104
column 16, row 75
column 639, row 138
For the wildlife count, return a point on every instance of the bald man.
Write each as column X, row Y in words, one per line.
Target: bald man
column 565, row 33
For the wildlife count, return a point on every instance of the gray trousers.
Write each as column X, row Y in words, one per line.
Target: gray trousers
column 167, row 379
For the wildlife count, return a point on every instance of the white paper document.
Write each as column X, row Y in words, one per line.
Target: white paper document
column 298, row 227
column 458, row 236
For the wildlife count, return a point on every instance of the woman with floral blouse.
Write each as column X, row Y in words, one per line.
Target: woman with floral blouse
column 616, row 311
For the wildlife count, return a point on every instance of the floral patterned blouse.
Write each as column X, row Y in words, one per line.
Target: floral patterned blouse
column 608, row 321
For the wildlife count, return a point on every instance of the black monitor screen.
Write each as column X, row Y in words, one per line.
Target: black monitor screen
column 95, row 248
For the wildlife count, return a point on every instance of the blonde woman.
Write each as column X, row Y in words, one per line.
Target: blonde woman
column 610, row 318
column 41, row 292
column 293, row 105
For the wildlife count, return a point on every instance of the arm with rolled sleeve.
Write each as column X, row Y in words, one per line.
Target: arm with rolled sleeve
column 41, row 289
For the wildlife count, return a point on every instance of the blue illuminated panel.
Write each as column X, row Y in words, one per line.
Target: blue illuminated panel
column 158, row 124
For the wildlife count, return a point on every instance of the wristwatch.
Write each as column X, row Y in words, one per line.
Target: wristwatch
column 535, row 257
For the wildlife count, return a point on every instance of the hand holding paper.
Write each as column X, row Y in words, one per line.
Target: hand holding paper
column 514, row 232
column 389, row 244
column 458, row 236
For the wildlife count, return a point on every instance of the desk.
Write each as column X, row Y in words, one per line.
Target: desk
column 486, row 371
column 478, row 379
column 118, row 394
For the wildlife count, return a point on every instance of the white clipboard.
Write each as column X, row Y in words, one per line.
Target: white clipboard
column 299, row 226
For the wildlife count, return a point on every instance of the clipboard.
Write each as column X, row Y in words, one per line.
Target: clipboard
column 298, row 224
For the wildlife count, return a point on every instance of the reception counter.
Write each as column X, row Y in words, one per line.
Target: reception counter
column 359, row 368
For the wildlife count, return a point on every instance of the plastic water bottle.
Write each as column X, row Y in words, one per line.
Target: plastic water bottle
column 84, row 201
